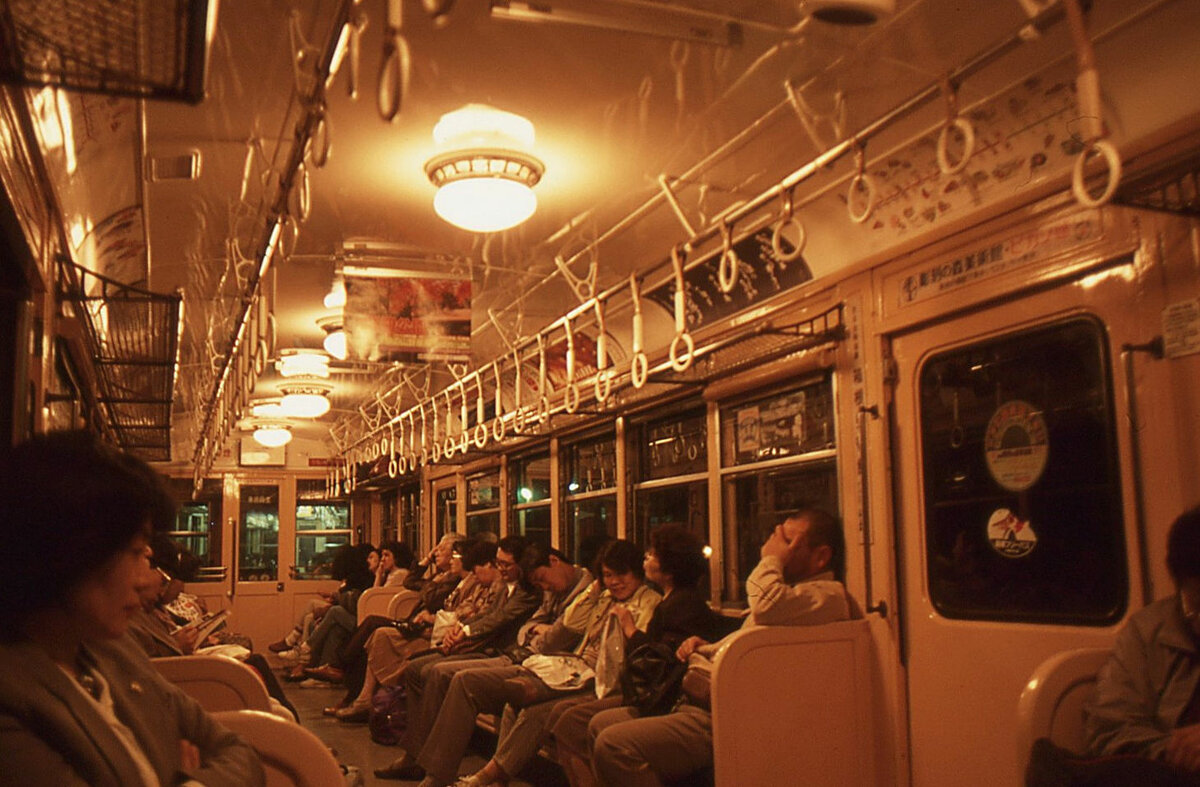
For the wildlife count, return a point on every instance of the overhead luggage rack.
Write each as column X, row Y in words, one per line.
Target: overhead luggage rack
column 1173, row 187
column 132, row 337
column 118, row 47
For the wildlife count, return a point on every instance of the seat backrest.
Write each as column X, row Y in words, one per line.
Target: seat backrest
column 1051, row 704
column 374, row 601
column 402, row 604
column 218, row 683
column 796, row 704
column 291, row 755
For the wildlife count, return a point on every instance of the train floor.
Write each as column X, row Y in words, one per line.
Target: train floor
column 353, row 745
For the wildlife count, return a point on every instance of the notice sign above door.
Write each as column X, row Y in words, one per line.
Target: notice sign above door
column 1181, row 328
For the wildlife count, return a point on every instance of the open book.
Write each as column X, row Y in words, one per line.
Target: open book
column 206, row 625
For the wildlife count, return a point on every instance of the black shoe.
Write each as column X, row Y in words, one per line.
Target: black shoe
column 410, row 771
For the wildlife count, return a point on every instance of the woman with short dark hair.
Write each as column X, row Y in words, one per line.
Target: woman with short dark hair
column 676, row 563
column 79, row 702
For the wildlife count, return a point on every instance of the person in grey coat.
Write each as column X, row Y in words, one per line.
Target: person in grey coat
column 80, row 702
column 1146, row 699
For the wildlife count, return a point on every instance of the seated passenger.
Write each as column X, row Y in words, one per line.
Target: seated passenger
column 561, row 583
column 621, row 593
column 431, row 598
column 392, row 568
column 488, row 634
column 152, row 628
column 295, row 646
column 389, row 649
column 1146, row 700
column 351, row 565
column 794, row 584
column 79, row 702
column 676, row 563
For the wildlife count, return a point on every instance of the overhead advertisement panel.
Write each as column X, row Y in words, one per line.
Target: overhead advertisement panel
column 406, row 316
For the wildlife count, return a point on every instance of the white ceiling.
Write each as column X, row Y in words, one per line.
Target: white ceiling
column 613, row 111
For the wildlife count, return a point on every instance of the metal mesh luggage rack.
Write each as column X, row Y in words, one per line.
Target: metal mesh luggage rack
column 132, row 337
column 116, row 47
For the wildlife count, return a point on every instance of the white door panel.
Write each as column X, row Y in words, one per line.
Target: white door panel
column 979, row 612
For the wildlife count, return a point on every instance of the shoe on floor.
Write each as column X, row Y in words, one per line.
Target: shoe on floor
column 325, row 672
column 355, row 713
column 294, row 675
column 313, row 683
column 332, row 710
column 431, row 781
column 402, row 768
column 279, row 647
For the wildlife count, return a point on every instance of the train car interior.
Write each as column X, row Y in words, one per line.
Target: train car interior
column 349, row 271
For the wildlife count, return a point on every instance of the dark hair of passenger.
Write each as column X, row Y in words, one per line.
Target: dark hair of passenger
column 166, row 554
column 478, row 553
column 349, row 565
column 537, row 556
column 623, row 557
column 68, row 504
column 679, row 554
column 1183, row 546
column 824, row 529
column 401, row 552
column 514, row 545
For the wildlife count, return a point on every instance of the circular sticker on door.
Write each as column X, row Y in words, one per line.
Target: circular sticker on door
column 1016, row 445
column 1009, row 535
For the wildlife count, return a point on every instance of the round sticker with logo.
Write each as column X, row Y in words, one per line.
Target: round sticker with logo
column 1016, row 445
column 1010, row 535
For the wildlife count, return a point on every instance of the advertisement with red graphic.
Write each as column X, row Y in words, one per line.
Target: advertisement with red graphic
column 405, row 316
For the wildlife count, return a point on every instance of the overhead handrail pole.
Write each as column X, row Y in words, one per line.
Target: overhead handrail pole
column 276, row 215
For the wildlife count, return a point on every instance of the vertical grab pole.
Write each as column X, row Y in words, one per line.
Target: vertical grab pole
column 1155, row 348
column 864, row 503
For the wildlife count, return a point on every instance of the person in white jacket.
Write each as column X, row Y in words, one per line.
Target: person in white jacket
column 794, row 584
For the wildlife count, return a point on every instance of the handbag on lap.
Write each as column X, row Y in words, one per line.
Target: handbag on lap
column 651, row 677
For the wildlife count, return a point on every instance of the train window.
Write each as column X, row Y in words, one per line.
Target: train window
column 483, row 503
column 321, row 527
column 591, row 496
column 389, row 504
column 408, row 503
column 778, row 455
column 529, row 485
column 445, row 509
column 1021, row 487
column 672, row 481
column 196, row 524
column 258, row 535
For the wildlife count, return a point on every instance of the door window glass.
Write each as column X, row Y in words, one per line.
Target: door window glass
column 321, row 527
column 1021, row 486
column 258, row 537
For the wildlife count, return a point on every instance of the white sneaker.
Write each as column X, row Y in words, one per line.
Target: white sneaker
column 297, row 654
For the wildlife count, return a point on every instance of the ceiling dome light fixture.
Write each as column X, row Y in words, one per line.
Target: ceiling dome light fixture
column 335, row 336
column 266, row 408
column 303, row 363
column 484, row 178
column 273, row 434
column 336, row 297
column 305, row 398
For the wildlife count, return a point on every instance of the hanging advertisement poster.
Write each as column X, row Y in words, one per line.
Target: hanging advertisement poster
column 406, row 316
